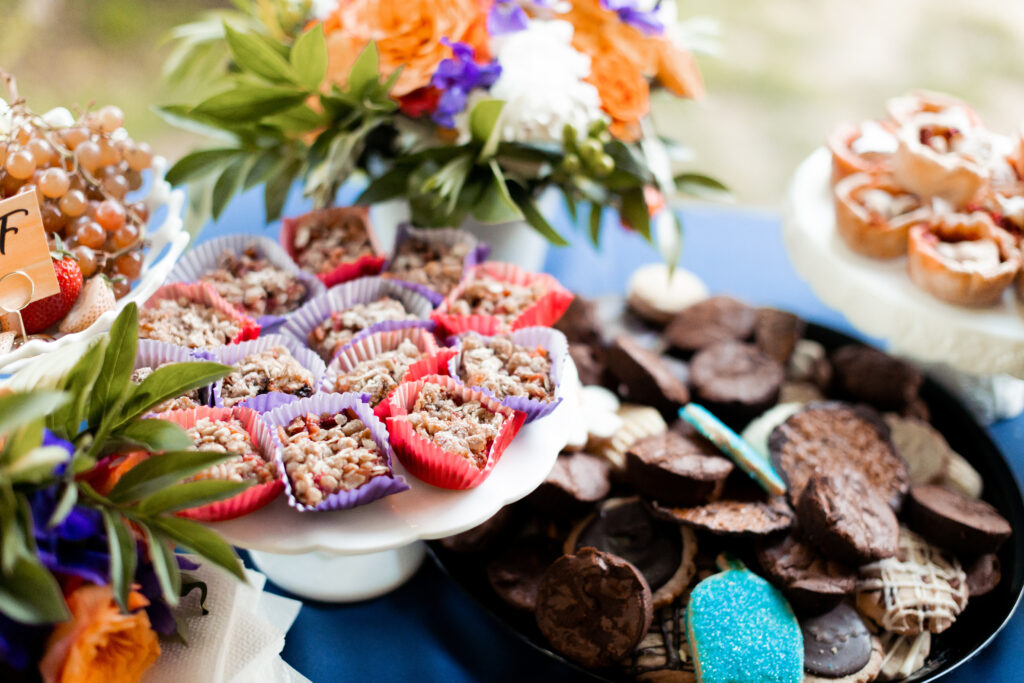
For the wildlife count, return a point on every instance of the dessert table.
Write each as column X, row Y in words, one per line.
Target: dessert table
column 429, row 630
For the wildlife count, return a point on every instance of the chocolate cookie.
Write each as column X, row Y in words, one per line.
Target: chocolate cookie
column 732, row 517
column 861, row 373
column 983, row 574
column 589, row 364
column 515, row 574
column 847, row 518
column 735, row 381
column 677, row 470
column 647, row 379
column 777, row 332
column 576, row 482
column 663, row 656
column 581, row 323
column 593, row 607
column 661, row 551
column 481, row 536
column 827, row 436
column 720, row 318
column 839, row 646
column 954, row 521
column 811, row 582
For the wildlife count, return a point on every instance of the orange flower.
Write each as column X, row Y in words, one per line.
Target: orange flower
column 597, row 30
column 678, row 70
column 109, row 471
column 625, row 95
column 408, row 34
column 99, row 644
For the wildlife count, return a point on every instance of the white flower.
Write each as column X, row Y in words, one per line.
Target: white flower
column 542, row 83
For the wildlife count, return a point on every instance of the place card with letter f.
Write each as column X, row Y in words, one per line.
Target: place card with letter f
column 26, row 269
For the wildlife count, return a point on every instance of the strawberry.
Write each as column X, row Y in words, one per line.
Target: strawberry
column 97, row 298
column 39, row 315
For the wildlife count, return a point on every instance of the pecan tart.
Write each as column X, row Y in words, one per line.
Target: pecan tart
column 873, row 215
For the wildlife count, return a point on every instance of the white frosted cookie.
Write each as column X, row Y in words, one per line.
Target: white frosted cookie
column 656, row 296
column 926, row 451
column 903, row 654
column 960, row 476
column 757, row 432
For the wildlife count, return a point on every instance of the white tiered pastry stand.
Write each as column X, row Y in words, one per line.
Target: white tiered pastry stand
column 977, row 352
column 358, row 554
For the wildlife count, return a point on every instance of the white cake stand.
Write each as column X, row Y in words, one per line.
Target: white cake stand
column 358, row 554
column 979, row 351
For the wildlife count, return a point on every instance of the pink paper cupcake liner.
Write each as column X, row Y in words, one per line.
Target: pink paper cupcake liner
column 267, row 445
column 201, row 292
column 447, row 236
column 432, row 464
column 551, row 340
column 370, row 344
column 542, row 313
column 318, row 404
column 434, row 364
column 203, row 258
column 350, row 270
column 361, row 291
column 229, row 355
column 152, row 354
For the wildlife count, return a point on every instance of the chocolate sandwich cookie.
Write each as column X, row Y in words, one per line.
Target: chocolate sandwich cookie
column 811, row 582
column 574, row 484
column 720, row 318
column 735, row 381
column 823, row 437
column 861, row 373
column 647, row 379
column 481, row 536
column 516, row 572
column 594, row 607
column 952, row 520
column 983, row 574
column 663, row 656
column 847, row 518
column 677, row 470
column 581, row 323
column 732, row 517
column 663, row 552
column 776, row 333
column 838, row 647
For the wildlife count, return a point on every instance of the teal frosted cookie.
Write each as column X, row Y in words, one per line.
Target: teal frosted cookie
column 732, row 444
column 742, row 630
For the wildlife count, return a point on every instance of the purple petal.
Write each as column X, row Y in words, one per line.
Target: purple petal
column 629, row 14
column 506, row 17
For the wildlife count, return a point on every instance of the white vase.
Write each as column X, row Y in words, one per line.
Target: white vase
column 513, row 242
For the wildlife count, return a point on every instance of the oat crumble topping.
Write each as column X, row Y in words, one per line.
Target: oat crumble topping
column 322, row 246
column 187, row 400
column 254, row 284
column 334, row 332
column 229, row 436
column 506, row 368
column 485, row 295
column 464, row 428
column 187, row 323
column 380, row 375
column 435, row 265
column 272, row 370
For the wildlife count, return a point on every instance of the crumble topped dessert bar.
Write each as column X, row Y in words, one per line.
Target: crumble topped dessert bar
column 252, row 283
column 261, row 373
column 506, row 368
column 187, row 323
column 464, row 428
column 335, row 331
column 230, row 436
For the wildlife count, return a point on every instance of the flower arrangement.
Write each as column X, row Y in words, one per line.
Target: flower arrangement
column 88, row 572
column 464, row 108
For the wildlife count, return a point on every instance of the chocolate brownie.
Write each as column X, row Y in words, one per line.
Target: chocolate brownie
column 580, row 323
column 952, row 520
column 589, row 365
column 983, row 574
column 811, row 582
column 847, row 518
column 861, row 373
column 576, row 482
column 594, row 607
column 838, row 644
column 515, row 573
column 732, row 517
column 647, row 379
column 735, row 381
column 776, row 333
column 826, row 436
column 720, row 318
column 481, row 536
column 677, row 470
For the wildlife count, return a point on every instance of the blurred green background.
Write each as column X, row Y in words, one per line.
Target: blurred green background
column 787, row 71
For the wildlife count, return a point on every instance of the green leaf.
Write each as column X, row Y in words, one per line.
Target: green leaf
column 365, row 71
column 20, row 408
column 535, row 218
column 171, row 381
column 199, row 164
column 22, row 441
column 160, row 471
column 262, row 168
column 202, row 541
column 64, row 506
column 249, row 102
column 628, row 160
column 66, row 421
column 191, row 494
column 496, row 205
column 118, row 362
column 227, row 185
column 155, row 435
column 165, row 565
column 123, row 558
column 301, row 119
column 702, row 186
column 309, row 57
column 275, row 192
column 635, row 212
column 30, row 594
column 394, row 183
column 252, row 54
column 595, row 223
column 483, row 120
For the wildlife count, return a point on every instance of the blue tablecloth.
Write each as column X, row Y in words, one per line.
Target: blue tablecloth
column 429, row 630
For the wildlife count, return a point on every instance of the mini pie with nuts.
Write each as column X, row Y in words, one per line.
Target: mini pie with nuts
column 378, row 376
column 252, row 283
column 505, row 368
column 873, row 215
column 867, row 148
column 423, row 259
column 188, row 323
column 230, row 436
column 338, row 329
column 334, row 244
column 271, row 370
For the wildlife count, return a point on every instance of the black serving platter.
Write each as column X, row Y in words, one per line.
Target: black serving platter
column 974, row 629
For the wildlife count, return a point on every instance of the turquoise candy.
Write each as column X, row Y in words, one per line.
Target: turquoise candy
column 742, row 630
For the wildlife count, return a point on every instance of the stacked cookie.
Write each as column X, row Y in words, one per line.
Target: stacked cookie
column 829, row 542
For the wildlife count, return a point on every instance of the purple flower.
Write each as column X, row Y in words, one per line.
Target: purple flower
column 21, row 645
column 161, row 618
column 456, row 77
column 51, row 439
column 506, row 16
column 77, row 546
column 629, row 13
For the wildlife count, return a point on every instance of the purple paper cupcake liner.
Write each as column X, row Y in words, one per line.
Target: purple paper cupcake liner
column 365, row 289
column 229, row 355
column 318, row 404
column 448, row 236
column 204, row 258
column 545, row 337
column 366, row 339
column 151, row 353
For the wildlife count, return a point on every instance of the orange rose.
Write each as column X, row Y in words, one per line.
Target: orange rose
column 99, row 644
column 625, row 95
column 597, row 30
column 678, row 71
column 408, row 34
